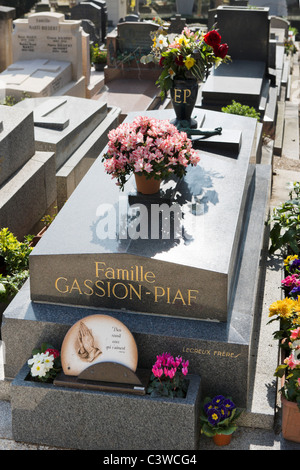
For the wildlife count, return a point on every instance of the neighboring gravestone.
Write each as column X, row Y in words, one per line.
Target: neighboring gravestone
column 51, row 56
column 245, row 79
column 242, row 45
column 94, row 11
column 59, row 127
column 89, row 27
column 6, row 17
column 27, row 176
column 76, row 139
column 49, row 36
column 177, row 24
column 13, row 156
column 37, row 77
column 135, row 36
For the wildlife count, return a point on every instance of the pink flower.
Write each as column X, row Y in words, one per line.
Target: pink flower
column 295, row 333
column 291, row 362
column 157, row 372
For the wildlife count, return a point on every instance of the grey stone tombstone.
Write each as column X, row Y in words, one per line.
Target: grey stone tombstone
column 135, row 35
column 88, row 11
column 89, row 28
column 104, row 16
column 177, row 24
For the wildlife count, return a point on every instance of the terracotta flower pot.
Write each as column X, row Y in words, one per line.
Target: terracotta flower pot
column 146, row 186
column 222, row 439
column 290, row 420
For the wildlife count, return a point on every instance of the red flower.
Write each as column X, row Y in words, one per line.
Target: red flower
column 179, row 61
column 212, row 38
column 221, row 50
column 54, row 352
column 161, row 62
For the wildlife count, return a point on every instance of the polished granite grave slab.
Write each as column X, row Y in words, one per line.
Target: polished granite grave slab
column 111, row 249
column 202, row 300
column 243, row 81
column 220, row 352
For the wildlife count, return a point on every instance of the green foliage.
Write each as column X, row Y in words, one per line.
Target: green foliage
column 175, row 388
column 15, row 257
column 285, row 222
column 241, row 110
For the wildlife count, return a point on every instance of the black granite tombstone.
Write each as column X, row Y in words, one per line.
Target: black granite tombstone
column 192, row 295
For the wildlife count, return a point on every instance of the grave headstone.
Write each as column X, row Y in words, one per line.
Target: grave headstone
column 12, row 155
column 95, row 12
column 177, row 24
column 191, row 292
column 53, row 54
column 245, row 79
column 27, row 176
column 89, row 27
column 135, row 36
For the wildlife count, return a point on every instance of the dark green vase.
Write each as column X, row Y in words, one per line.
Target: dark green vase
column 183, row 96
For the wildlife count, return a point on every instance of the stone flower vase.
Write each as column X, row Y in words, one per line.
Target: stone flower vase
column 183, row 97
column 290, row 420
column 146, row 185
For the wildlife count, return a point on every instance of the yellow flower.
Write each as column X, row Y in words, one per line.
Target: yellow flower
column 189, row 62
column 289, row 258
column 284, row 308
column 183, row 40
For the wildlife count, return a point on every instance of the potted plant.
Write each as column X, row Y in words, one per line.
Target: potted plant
column 185, row 59
column 98, row 57
column 289, row 373
column 168, row 377
column 152, row 149
column 218, row 418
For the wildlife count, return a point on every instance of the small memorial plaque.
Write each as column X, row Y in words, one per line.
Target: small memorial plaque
column 99, row 353
column 94, row 339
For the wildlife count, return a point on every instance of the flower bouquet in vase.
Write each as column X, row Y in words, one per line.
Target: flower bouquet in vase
column 185, row 60
column 151, row 149
column 218, row 418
